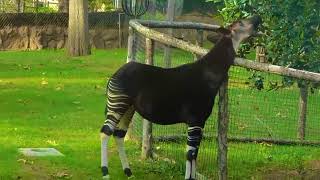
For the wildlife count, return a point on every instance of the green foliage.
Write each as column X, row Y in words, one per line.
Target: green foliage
column 291, row 28
column 106, row 5
column 46, row 10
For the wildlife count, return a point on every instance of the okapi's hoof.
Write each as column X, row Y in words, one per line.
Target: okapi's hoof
column 127, row 172
column 105, row 172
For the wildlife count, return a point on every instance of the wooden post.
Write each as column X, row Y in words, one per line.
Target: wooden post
column 147, row 125
column 302, row 112
column 170, row 17
column 223, row 120
column 260, row 54
column 131, row 38
column 119, row 30
column 130, row 57
column 199, row 42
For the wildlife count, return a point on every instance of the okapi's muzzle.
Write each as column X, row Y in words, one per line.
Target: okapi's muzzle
column 256, row 21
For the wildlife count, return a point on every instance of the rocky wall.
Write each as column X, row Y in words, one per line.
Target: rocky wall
column 38, row 31
column 39, row 37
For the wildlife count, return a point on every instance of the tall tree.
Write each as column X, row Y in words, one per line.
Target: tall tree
column 78, row 31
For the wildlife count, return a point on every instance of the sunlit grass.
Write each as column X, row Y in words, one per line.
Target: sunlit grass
column 50, row 100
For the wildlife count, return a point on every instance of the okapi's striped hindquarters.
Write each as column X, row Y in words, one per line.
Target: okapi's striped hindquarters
column 183, row 94
column 119, row 112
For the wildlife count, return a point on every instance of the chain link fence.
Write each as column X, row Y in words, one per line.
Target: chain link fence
column 33, row 25
column 28, row 6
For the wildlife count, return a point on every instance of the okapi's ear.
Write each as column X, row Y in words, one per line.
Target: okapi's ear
column 214, row 37
column 223, row 31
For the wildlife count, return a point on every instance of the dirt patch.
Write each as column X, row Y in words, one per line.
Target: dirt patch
column 311, row 171
column 33, row 170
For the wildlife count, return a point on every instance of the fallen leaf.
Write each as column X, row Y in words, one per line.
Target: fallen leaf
column 76, row 102
column 52, row 142
column 44, row 82
column 62, row 174
column 22, row 160
column 27, row 67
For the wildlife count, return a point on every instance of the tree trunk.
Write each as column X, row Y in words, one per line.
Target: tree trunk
column 78, row 31
column 63, row 6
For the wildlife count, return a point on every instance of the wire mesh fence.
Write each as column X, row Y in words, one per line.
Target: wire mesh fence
column 28, row 6
column 262, row 118
column 32, row 26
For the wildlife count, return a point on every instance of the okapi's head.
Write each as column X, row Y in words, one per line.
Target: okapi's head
column 238, row 31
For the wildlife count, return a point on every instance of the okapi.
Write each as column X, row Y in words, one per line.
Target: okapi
column 184, row 94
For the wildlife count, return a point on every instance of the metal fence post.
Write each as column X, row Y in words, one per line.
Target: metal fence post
column 303, row 101
column 223, row 120
column 147, row 125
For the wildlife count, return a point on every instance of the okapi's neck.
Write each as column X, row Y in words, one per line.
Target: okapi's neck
column 221, row 56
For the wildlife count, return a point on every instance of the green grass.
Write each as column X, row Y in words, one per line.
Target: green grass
column 50, row 100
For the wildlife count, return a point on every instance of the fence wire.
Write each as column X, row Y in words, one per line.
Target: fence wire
column 33, row 30
column 261, row 118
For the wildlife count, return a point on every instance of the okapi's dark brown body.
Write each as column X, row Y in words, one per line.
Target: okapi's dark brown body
column 182, row 94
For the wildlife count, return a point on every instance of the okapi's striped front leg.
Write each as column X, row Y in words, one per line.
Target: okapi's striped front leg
column 194, row 139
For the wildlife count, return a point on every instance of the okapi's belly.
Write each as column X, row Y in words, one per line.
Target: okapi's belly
column 158, row 110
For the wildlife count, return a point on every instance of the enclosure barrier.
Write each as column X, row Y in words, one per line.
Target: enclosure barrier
column 143, row 27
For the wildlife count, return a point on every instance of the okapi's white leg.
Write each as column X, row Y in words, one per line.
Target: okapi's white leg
column 104, row 155
column 190, row 164
column 119, row 135
column 119, row 138
column 194, row 139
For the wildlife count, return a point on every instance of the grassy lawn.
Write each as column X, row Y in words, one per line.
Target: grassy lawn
column 50, row 100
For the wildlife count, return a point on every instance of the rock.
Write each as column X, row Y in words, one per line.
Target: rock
column 14, row 38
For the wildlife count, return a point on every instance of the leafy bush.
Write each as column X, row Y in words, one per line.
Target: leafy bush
column 291, row 28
